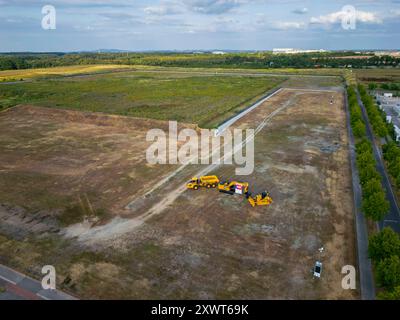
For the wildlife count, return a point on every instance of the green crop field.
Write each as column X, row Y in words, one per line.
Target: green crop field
column 378, row 75
column 192, row 98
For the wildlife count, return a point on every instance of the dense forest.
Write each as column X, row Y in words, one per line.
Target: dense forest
column 14, row 61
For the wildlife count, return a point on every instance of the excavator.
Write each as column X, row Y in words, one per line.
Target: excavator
column 233, row 187
column 262, row 199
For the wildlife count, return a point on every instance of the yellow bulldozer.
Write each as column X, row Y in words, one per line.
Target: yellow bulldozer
column 262, row 199
column 204, row 182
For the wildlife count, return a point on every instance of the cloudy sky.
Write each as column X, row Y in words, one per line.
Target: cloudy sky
column 198, row 24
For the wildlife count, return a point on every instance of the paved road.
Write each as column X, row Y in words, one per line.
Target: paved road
column 367, row 285
column 235, row 118
column 16, row 286
column 393, row 218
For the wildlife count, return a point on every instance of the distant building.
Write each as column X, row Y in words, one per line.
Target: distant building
column 387, row 53
column 397, row 130
column 294, row 51
column 219, row 52
column 387, row 100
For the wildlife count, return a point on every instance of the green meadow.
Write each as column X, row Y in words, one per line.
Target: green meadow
column 206, row 99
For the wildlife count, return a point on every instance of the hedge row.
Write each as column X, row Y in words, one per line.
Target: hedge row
column 374, row 204
column 356, row 120
column 376, row 117
column 384, row 247
column 384, row 250
column 391, row 153
column 384, row 86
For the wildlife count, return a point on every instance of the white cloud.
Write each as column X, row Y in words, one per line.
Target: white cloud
column 290, row 25
column 219, row 24
column 165, row 8
column 394, row 13
column 300, row 11
column 66, row 2
column 339, row 16
column 212, row 6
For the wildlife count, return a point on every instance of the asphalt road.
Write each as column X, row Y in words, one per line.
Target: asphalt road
column 16, row 286
column 393, row 217
column 366, row 278
column 259, row 102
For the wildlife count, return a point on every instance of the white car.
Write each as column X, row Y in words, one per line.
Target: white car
column 317, row 269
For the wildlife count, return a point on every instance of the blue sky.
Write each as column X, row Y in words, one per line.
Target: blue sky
column 198, row 24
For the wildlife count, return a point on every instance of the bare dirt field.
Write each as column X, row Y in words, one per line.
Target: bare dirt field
column 231, row 250
column 200, row 244
column 67, row 164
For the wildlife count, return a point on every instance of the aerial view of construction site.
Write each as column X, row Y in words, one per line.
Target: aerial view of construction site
column 141, row 174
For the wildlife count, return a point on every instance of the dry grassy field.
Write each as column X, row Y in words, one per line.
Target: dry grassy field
column 203, row 99
column 70, row 164
column 378, row 75
column 60, row 166
column 25, row 74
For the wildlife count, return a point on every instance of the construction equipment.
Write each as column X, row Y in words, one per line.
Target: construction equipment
column 205, row 182
column 262, row 199
column 233, row 187
column 230, row 187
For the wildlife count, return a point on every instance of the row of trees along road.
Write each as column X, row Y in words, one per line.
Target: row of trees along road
column 384, row 250
column 374, row 204
column 384, row 247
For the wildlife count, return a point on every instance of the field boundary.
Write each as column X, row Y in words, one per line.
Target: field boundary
column 9, row 108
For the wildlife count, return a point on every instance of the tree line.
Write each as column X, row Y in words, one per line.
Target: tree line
column 384, row 251
column 377, row 117
column 374, row 203
column 384, row 86
column 384, row 129
column 391, row 154
column 384, row 246
column 201, row 60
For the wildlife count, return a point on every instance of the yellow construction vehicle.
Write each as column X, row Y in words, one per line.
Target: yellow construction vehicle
column 205, row 182
column 263, row 199
column 233, row 187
